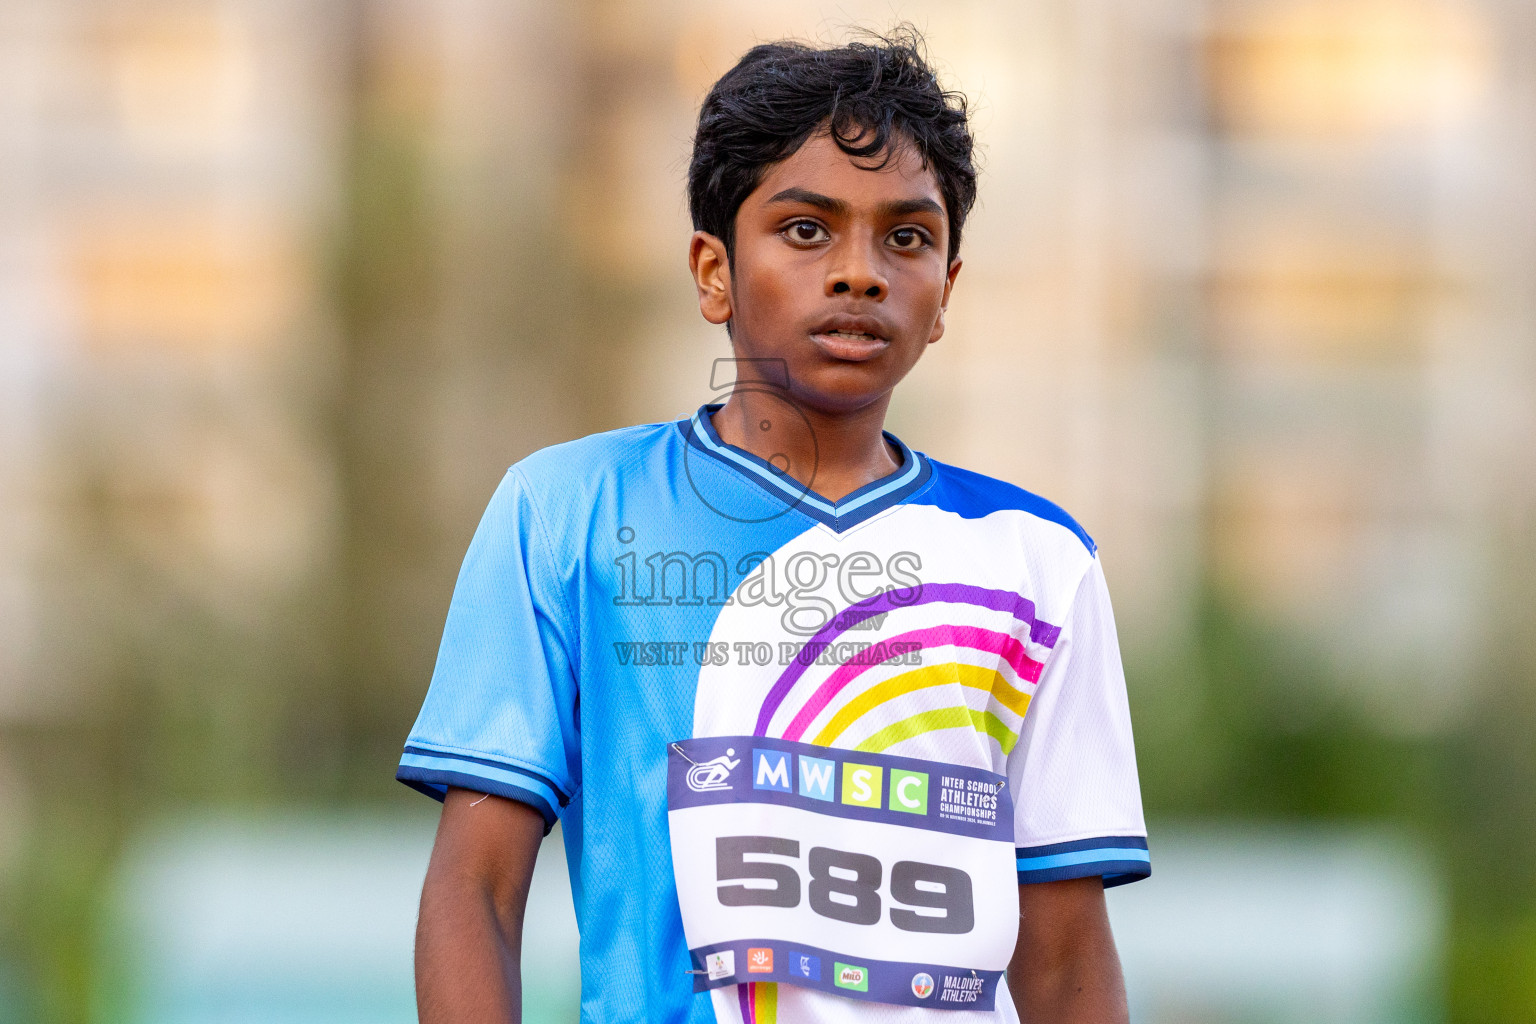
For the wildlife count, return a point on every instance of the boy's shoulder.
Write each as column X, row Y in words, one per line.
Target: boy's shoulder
column 585, row 460
column 973, row 495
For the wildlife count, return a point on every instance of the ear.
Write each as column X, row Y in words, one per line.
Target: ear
column 949, row 285
column 711, row 270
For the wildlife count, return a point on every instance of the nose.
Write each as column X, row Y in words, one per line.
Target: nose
column 856, row 272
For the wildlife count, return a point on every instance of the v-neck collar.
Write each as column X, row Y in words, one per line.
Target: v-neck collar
column 857, row 507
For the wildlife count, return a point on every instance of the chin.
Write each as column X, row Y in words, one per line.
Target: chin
column 840, row 389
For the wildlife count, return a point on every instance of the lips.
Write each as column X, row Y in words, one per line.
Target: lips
column 851, row 338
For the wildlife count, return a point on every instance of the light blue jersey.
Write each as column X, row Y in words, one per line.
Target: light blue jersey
column 633, row 591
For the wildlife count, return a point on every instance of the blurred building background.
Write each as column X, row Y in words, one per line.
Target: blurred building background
column 1251, row 290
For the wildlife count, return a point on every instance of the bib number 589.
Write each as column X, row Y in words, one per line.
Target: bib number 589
column 845, row 886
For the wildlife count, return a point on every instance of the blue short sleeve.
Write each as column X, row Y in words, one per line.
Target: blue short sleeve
column 500, row 714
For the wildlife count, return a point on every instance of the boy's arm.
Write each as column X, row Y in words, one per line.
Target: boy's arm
column 1065, row 969
column 469, row 934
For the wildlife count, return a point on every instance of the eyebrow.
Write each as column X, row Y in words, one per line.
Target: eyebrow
column 898, row 208
column 907, row 207
column 809, row 198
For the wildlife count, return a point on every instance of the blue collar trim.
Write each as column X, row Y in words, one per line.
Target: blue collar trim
column 864, row 503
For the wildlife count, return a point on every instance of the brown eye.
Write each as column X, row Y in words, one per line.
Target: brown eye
column 807, row 232
column 907, row 238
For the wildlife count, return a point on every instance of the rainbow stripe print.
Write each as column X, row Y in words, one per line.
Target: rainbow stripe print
column 1007, row 674
column 759, row 1002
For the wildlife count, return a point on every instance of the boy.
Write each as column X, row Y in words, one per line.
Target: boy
column 837, row 733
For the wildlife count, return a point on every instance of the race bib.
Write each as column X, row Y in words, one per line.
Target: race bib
column 881, row 878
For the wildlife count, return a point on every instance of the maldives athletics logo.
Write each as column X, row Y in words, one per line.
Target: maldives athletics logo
column 922, row 985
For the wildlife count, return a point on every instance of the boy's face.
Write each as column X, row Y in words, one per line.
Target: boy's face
column 839, row 270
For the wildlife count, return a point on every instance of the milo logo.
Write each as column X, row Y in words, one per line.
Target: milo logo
column 851, row 976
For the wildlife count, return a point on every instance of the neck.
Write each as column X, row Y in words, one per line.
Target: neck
column 833, row 455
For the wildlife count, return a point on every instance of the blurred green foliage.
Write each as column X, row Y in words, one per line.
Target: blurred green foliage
column 1249, row 725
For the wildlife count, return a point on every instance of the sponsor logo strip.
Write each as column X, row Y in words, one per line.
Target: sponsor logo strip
column 856, row 784
column 878, row 981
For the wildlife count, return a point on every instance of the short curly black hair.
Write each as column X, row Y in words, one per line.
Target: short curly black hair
column 873, row 97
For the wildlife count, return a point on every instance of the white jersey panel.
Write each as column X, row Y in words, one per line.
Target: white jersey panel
column 947, row 665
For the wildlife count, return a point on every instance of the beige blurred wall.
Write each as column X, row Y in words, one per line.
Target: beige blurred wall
column 167, row 175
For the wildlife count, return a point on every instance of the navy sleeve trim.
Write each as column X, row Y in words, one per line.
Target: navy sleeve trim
column 426, row 757
column 435, row 783
column 433, row 771
column 1117, row 859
